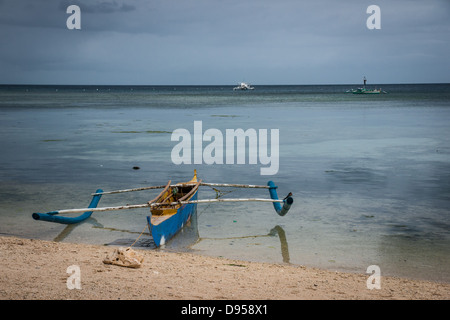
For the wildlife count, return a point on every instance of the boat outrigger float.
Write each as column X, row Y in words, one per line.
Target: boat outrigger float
column 171, row 209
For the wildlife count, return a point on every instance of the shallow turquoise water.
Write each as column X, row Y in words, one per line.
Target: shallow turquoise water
column 370, row 175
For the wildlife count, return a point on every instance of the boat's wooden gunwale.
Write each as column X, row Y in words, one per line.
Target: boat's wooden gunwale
column 161, row 193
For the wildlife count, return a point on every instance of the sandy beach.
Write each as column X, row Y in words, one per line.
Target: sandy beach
column 36, row 269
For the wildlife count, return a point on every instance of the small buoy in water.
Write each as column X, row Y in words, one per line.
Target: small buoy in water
column 136, row 168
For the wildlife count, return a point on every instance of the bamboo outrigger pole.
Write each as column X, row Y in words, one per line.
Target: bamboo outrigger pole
column 233, row 185
column 128, row 190
column 145, row 205
column 252, row 186
column 280, row 206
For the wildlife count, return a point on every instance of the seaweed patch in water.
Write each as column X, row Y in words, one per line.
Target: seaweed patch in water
column 148, row 131
column 225, row 115
column 157, row 131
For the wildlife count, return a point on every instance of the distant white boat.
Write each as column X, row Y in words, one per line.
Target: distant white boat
column 243, row 86
column 363, row 90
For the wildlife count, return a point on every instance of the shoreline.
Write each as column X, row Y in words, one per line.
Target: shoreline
column 37, row 269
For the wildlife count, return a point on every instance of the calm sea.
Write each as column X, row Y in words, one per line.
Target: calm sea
column 370, row 174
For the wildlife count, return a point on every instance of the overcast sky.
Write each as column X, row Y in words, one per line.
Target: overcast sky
column 221, row 42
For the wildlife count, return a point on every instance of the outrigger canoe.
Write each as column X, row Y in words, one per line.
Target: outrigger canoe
column 170, row 210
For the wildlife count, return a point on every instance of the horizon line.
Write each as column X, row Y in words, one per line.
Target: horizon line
column 215, row 85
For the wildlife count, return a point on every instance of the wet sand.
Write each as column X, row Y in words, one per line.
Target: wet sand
column 36, row 269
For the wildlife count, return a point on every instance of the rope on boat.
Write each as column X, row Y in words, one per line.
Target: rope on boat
column 138, row 237
column 219, row 194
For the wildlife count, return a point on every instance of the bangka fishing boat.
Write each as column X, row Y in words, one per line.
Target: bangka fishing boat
column 243, row 86
column 366, row 91
column 171, row 209
column 363, row 90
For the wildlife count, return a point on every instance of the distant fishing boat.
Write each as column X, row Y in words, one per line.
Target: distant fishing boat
column 366, row 91
column 363, row 90
column 243, row 86
column 171, row 209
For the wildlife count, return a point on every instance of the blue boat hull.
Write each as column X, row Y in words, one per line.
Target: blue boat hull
column 165, row 230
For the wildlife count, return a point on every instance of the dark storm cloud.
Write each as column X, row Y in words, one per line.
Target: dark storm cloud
column 212, row 41
column 38, row 13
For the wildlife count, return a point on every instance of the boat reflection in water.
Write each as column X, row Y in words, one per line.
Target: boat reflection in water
column 189, row 236
column 182, row 241
column 277, row 230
